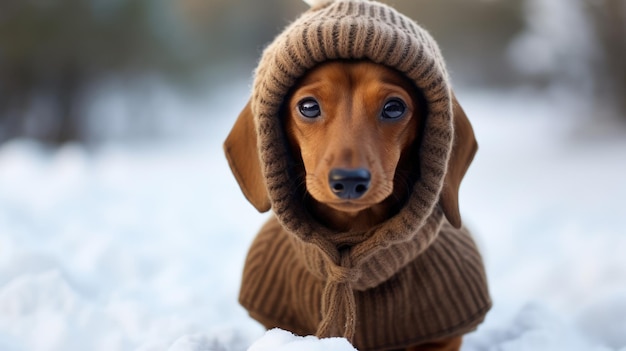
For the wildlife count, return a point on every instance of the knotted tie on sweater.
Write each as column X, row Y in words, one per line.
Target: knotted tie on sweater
column 338, row 301
column 362, row 266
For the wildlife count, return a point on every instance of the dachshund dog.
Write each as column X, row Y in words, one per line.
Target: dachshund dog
column 354, row 130
column 354, row 126
column 354, row 139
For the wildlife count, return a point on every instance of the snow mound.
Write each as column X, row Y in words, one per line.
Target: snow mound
column 281, row 340
column 220, row 340
column 535, row 328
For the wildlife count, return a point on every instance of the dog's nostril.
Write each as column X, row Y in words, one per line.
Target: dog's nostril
column 349, row 183
column 360, row 188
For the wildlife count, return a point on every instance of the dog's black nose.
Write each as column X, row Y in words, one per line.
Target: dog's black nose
column 349, row 183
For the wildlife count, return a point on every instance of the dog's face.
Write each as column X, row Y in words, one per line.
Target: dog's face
column 351, row 123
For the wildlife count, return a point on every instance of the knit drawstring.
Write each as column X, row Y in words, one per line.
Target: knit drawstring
column 338, row 304
column 358, row 268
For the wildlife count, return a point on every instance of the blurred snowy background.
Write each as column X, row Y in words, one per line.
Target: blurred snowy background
column 121, row 227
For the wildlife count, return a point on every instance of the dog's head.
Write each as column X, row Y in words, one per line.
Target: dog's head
column 355, row 128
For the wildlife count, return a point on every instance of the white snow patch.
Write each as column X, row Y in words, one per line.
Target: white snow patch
column 534, row 328
column 281, row 340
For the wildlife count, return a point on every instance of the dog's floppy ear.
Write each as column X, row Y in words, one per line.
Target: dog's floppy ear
column 463, row 151
column 243, row 157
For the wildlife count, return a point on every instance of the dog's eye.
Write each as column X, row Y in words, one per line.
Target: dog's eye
column 309, row 108
column 393, row 109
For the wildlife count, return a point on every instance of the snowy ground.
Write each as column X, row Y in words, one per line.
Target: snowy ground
column 140, row 247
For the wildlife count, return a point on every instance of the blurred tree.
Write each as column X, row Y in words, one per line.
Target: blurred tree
column 237, row 30
column 473, row 35
column 50, row 51
column 609, row 22
column 577, row 46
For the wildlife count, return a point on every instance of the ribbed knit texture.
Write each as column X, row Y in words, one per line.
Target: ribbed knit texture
column 350, row 292
column 441, row 293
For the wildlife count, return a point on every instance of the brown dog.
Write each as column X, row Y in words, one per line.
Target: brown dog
column 355, row 141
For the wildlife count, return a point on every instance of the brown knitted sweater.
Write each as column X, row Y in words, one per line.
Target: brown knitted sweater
column 441, row 293
column 414, row 278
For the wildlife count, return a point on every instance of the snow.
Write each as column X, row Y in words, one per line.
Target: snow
column 140, row 246
column 281, row 340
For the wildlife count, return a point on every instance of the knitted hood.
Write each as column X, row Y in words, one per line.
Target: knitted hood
column 353, row 30
column 345, row 29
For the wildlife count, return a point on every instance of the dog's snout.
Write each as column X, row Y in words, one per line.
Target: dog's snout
column 349, row 183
